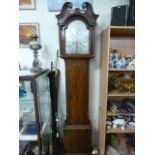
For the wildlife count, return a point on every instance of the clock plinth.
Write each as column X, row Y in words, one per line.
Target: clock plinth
column 77, row 47
column 77, row 139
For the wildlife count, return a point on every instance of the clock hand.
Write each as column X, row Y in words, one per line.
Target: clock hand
column 77, row 46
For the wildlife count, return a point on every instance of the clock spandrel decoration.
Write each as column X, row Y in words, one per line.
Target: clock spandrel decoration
column 77, row 47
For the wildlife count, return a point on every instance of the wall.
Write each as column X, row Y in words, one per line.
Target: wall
column 50, row 43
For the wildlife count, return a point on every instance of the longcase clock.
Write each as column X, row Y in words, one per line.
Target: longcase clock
column 77, row 47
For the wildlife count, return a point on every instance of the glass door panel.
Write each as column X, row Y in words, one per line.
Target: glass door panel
column 27, row 122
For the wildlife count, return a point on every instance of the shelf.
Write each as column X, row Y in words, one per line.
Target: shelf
column 121, row 70
column 122, row 114
column 119, row 130
column 126, row 94
column 28, row 132
column 123, row 38
column 27, row 137
column 122, row 31
column 25, row 75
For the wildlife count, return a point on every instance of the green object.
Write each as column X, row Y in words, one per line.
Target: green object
column 22, row 93
column 57, row 135
column 35, row 151
column 114, row 140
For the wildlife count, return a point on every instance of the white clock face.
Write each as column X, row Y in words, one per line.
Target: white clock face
column 77, row 38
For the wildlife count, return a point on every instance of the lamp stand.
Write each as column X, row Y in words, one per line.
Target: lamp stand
column 36, row 63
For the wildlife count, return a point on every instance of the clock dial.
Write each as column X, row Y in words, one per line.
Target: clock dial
column 77, row 38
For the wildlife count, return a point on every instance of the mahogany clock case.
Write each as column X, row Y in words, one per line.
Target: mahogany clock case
column 77, row 128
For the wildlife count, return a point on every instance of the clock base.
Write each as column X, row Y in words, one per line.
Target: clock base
column 77, row 139
column 78, row 154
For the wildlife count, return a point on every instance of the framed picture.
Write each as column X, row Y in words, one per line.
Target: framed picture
column 27, row 4
column 25, row 31
column 56, row 5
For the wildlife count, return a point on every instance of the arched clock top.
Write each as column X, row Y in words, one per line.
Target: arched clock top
column 77, row 31
column 67, row 14
column 77, row 18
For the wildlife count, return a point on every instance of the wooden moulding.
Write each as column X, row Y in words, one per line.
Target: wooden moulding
column 121, row 70
column 77, row 153
column 122, row 31
column 103, row 90
column 116, row 93
column 119, row 130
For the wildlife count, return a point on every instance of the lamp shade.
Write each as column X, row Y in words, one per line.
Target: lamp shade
column 34, row 43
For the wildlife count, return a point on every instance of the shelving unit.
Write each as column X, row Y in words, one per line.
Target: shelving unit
column 113, row 37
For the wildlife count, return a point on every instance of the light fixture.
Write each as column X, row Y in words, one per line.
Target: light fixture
column 35, row 46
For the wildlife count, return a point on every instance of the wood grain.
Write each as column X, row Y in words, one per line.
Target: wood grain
column 77, row 91
column 77, row 139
